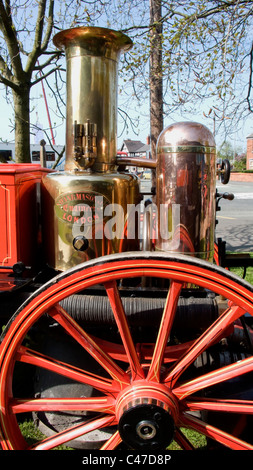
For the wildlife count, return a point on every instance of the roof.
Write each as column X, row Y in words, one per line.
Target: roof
column 144, row 148
column 133, row 146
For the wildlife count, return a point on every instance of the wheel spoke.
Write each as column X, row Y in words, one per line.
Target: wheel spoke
column 145, row 350
column 116, row 351
column 209, row 337
column 164, row 331
column 215, row 404
column 74, row 432
column 72, row 327
column 96, row 404
column 182, row 440
column 113, row 442
column 40, row 360
column 215, row 433
column 212, row 378
column 120, row 317
column 132, row 373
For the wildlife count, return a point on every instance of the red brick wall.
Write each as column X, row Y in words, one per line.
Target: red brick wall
column 249, row 154
column 248, row 177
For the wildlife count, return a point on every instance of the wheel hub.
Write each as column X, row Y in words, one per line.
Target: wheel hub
column 147, row 416
column 145, row 426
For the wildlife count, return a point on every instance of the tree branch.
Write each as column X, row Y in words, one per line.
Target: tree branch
column 34, row 54
column 10, row 36
column 50, row 24
column 39, row 79
column 250, row 79
column 38, row 45
column 6, row 76
column 48, row 62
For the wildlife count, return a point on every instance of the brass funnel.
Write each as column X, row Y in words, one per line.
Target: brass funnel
column 92, row 56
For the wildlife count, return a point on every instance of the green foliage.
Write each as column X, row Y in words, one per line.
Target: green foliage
column 226, row 150
column 234, row 154
column 206, row 52
column 32, row 434
column 240, row 163
column 197, row 440
column 248, row 274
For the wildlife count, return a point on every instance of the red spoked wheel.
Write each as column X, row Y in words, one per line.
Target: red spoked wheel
column 140, row 393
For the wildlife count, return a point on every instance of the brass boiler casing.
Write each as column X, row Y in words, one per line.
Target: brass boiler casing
column 185, row 188
column 75, row 200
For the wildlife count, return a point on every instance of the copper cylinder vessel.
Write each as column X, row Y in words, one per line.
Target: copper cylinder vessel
column 185, row 190
column 79, row 201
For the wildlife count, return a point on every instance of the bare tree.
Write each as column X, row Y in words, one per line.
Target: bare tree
column 185, row 54
column 207, row 58
column 27, row 54
column 156, row 74
column 19, row 76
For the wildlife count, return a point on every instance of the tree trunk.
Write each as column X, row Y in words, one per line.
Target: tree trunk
column 156, row 78
column 22, row 125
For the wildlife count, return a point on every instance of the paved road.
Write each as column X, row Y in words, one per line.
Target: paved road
column 235, row 220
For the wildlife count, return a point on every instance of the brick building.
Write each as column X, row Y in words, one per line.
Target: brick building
column 135, row 148
column 249, row 152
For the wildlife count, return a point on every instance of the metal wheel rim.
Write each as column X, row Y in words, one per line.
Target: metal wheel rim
column 106, row 270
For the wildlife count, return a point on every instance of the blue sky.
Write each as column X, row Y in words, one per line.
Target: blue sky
column 39, row 112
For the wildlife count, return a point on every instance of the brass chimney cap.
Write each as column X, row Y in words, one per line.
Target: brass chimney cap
column 92, row 38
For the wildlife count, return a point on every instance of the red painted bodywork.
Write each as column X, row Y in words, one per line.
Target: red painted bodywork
column 19, row 218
